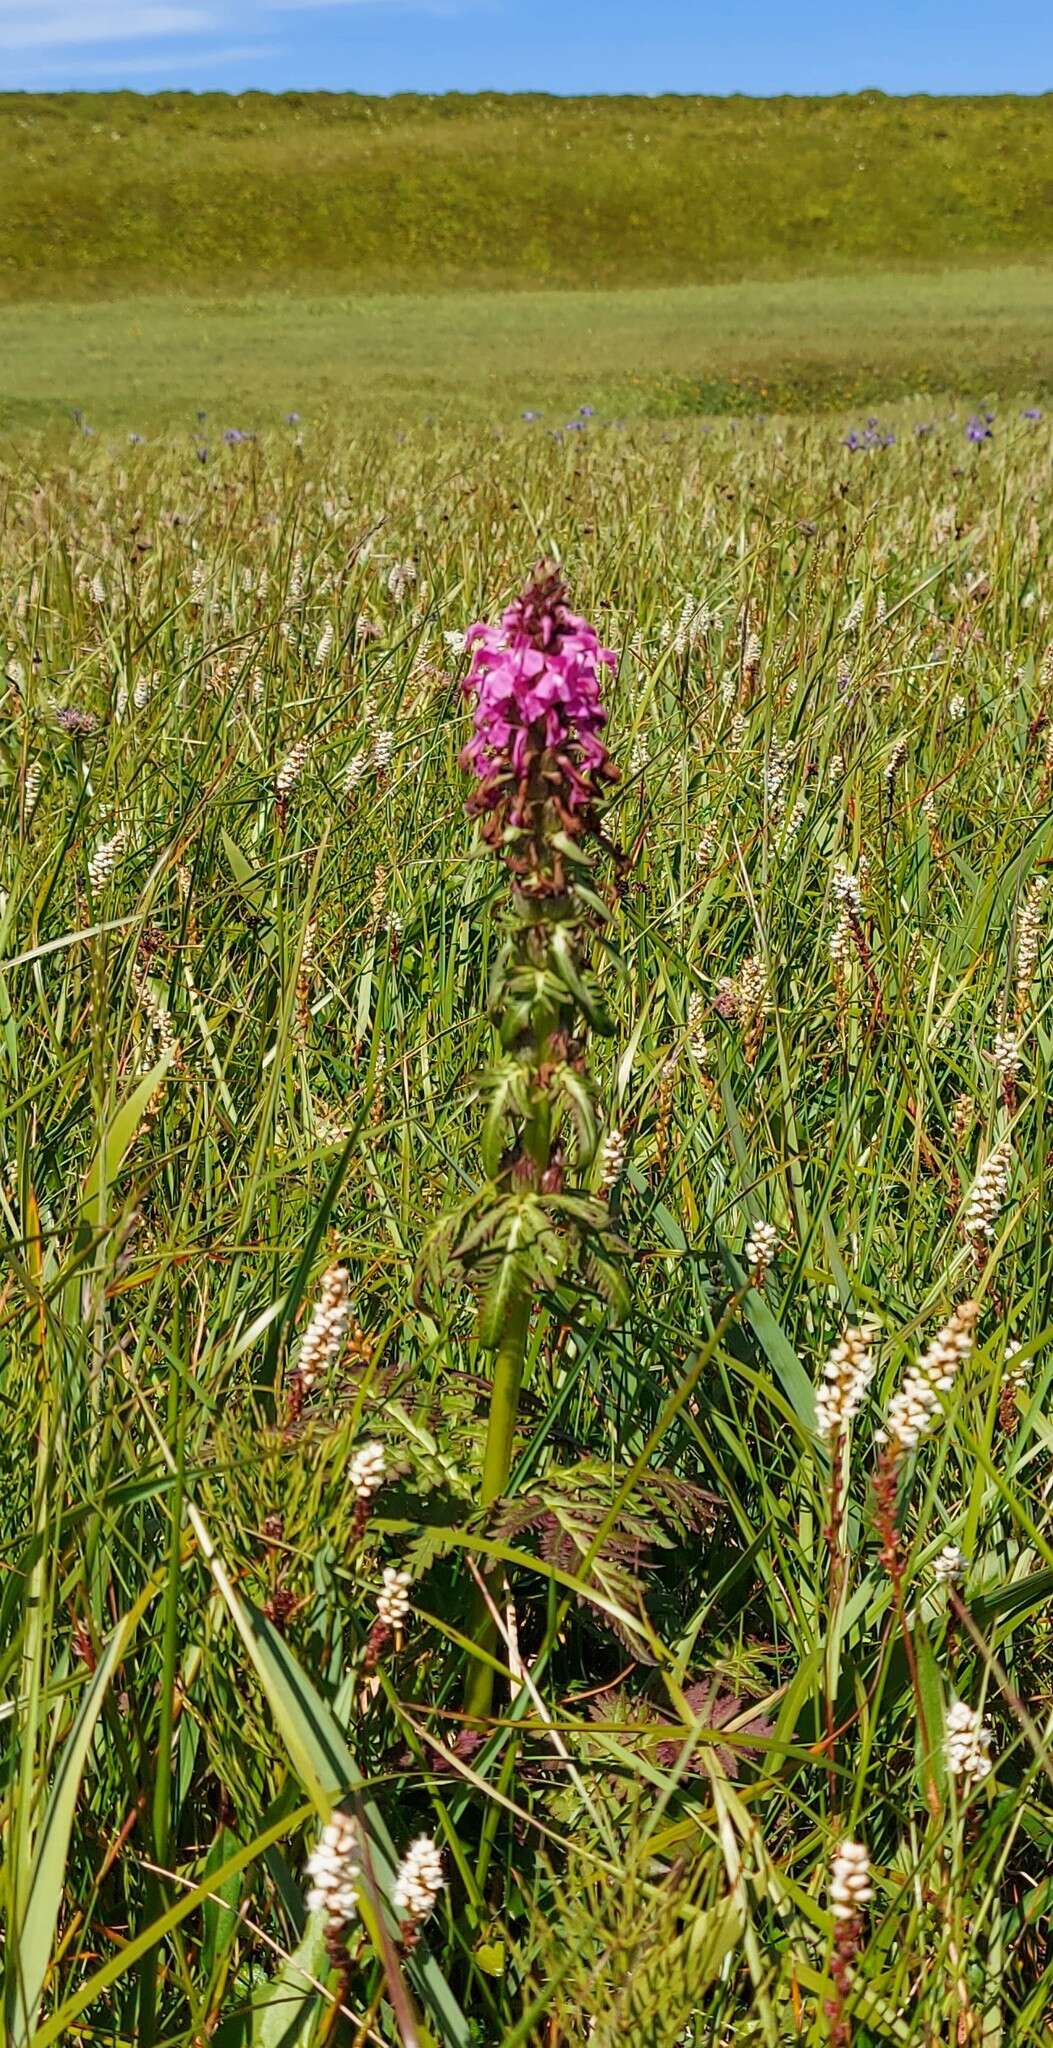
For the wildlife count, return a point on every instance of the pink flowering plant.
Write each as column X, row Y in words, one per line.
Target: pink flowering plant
column 537, row 750
column 533, row 1226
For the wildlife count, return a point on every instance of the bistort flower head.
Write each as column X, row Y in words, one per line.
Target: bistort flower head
column 333, row 1870
column 536, row 750
column 613, row 1153
column 968, row 1744
column 950, row 1566
column 914, row 1408
column 323, row 1339
column 988, row 1192
column 366, row 1470
column 419, row 1881
column 393, row 1602
column 761, row 1247
column 290, row 773
column 105, row 859
column 850, row 1886
column 847, row 1374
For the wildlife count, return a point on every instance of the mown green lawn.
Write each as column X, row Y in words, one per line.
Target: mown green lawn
column 771, row 346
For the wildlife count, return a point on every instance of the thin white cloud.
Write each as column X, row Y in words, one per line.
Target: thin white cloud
column 169, row 64
column 28, row 26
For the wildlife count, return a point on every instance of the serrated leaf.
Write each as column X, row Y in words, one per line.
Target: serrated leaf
column 587, row 997
column 583, row 1116
column 504, row 1288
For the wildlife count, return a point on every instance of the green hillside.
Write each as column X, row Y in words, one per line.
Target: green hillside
column 114, row 194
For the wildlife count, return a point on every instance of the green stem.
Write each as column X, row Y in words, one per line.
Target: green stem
column 497, row 1464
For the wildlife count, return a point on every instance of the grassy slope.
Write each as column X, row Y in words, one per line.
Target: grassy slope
column 249, row 255
column 735, row 347
column 115, row 192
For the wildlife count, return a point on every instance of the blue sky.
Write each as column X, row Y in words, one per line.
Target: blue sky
column 761, row 46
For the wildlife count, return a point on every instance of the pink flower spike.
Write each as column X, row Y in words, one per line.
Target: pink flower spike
column 538, row 713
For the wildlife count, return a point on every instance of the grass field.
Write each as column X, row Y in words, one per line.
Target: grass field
column 476, row 257
column 525, row 1333
column 318, row 193
column 136, row 364
column 773, row 1076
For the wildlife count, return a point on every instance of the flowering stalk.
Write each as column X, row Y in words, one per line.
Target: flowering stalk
column 986, row 1200
column 846, row 1378
column 851, row 934
column 912, row 1415
column 393, row 1606
column 850, row 1892
column 323, row 1340
column 540, row 767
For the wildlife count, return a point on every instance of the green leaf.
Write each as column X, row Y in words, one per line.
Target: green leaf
column 564, row 964
column 219, row 1915
column 324, row 1764
column 31, row 1947
column 930, row 1757
column 712, row 1935
column 120, row 1134
column 777, row 1348
column 253, row 885
column 292, row 2002
column 510, row 1278
column 56, row 2027
column 583, row 1115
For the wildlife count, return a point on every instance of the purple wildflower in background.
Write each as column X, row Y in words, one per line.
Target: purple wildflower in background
column 874, row 435
column 292, row 419
column 76, row 722
column 1032, row 412
column 536, row 748
column 135, row 440
column 530, row 415
column 232, row 434
column 979, row 427
column 587, row 411
column 201, row 452
column 575, row 427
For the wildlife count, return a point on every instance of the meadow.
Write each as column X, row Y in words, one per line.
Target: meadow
column 697, row 351
column 476, row 256
column 526, row 1335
